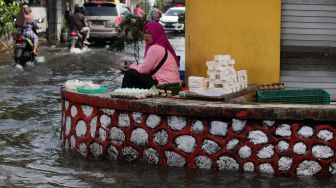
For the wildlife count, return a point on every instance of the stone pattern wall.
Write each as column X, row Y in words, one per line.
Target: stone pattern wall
column 274, row 147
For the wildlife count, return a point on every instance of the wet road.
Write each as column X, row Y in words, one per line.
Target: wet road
column 30, row 118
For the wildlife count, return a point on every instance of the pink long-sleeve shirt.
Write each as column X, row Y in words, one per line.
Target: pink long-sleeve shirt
column 168, row 73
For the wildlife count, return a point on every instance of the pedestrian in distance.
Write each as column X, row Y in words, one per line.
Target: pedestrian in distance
column 155, row 14
column 160, row 65
column 76, row 21
column 138, row 12
column 27, row 26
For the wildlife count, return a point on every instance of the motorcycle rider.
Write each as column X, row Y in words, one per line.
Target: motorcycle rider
column 77, row 22
column 27, row 25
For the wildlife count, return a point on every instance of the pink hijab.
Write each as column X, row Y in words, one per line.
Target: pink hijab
column 159, row 38
column 24, row 16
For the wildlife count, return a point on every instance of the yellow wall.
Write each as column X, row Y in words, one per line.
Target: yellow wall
column 248, row 30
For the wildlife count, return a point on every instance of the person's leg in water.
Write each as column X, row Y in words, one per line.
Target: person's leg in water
column 35, row 40
column 35, row 47
column 86, row 32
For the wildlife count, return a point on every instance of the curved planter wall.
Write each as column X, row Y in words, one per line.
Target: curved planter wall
column 276, row 139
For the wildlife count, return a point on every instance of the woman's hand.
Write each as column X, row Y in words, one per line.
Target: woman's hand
column 127, row 65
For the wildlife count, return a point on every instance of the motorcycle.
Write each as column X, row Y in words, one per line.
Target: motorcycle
column 23, row 50
column 76, row 40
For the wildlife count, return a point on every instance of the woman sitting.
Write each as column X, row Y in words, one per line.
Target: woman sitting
column 27, row 25
column 160, row 64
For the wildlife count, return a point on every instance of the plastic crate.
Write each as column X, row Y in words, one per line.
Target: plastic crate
column 300, row 96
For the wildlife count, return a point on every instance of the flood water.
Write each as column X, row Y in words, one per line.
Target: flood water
column 30, row 122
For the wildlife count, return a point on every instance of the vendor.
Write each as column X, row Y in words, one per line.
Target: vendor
column 160, row 65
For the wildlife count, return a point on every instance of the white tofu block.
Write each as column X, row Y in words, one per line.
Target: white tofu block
column 241, row 78
column 232, row 75
column 228, row 82
column 211, row 80
column 212, row 76
column 227, row 69
column 224, row 72
column 211, row 67
column 232, row 71
column 210, row 63
column 241, row 87
column 241, row 73
column 222, row 57
column 218, row 66
column 195, row 82
column 218, row 85
column 215, row 75
column 224, row 77
column 231, row 61
column 245, row 85
column 234, row 80
column 218, row 81
column 206, row 83
column 211, row 84
column 214, row 72
column 223, row 63
column 234, row 89
column 195, row 85
column 226, row 85
column 196, row 89
column 227, row 89
column 196, row 78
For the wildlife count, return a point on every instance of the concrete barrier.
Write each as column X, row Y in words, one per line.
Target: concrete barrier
column 266, row 138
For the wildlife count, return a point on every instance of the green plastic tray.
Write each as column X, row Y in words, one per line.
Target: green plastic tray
column 99, row 90
column 298, row 96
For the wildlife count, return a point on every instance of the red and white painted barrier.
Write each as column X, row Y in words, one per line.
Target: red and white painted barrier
column 281, row 147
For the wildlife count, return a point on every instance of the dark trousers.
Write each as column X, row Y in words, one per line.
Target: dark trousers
column 133, row 79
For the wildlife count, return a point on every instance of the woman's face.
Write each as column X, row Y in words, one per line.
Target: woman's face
column 148, row 37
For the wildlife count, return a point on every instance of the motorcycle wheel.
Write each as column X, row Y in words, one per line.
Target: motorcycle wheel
column 73, row 43
column 17, row 54
column 19, row 59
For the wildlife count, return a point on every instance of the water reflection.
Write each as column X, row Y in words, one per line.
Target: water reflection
column 30, row 118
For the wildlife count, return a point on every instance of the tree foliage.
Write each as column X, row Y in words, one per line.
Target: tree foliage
column 8, row 12
column 130, row 33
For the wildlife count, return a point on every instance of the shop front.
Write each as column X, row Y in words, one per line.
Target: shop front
column 308, row 44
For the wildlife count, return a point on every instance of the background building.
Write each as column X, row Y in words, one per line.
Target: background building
column 308, row 44
column 290, row 40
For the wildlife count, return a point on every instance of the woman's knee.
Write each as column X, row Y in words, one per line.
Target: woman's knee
column 131, row 73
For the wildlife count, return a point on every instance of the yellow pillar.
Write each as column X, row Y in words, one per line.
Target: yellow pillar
column 248, row 30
